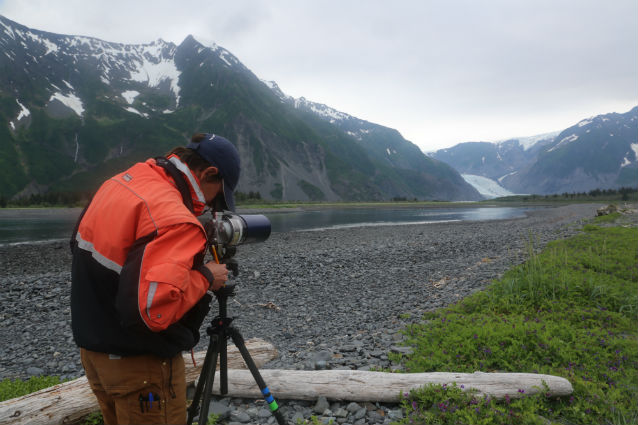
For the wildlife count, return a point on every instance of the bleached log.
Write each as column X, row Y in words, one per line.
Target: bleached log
column 355, row 385
column 70, row 401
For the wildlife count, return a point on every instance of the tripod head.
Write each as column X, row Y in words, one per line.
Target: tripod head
column 222, row 321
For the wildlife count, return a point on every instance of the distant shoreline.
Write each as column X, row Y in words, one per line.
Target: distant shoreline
column 515, row 201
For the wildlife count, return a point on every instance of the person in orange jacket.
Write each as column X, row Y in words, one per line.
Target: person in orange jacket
column 140, row 287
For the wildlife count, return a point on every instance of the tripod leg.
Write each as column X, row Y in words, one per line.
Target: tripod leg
column 205, row 383
column 223, row 365
column 208, row 389
column 238, row 339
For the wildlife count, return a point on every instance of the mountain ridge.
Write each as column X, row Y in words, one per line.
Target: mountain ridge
column 78, row 109
column 599, row 152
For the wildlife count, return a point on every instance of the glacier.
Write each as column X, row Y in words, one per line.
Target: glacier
column 487, row 187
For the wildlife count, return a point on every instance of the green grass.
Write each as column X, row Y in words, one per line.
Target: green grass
column 609, row 218
column 570, row 311
column 12, row 388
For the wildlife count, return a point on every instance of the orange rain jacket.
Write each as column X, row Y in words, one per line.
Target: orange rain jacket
column 137, row 251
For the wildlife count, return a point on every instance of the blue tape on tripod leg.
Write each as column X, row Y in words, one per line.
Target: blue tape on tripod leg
column 267, row 396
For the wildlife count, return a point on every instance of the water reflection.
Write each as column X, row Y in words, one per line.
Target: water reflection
column 20, row 226
column 36, row 225
column 360, row 217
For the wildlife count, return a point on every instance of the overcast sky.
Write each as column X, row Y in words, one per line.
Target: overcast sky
column 441, row 72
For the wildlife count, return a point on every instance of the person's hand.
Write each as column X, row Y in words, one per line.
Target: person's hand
column 220, row 274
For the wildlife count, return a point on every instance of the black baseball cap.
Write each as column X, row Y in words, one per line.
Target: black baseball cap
column 221, row 153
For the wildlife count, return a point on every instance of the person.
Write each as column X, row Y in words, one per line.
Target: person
column 139, row 291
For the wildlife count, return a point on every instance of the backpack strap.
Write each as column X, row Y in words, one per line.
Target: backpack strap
column 182, row 186
column 180, row 182
column 72, row 241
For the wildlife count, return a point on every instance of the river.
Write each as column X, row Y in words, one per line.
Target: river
column 47, row 224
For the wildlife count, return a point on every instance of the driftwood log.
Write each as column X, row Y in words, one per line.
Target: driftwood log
column 70, row 401
column 356, row 385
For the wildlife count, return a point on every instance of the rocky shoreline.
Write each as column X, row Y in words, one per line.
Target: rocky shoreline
column 326, row 299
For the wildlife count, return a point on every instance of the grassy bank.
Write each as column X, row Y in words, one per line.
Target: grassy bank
column 56, row 200
column 569, row 311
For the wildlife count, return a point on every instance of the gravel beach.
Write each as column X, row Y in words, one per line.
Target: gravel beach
column 326, row 299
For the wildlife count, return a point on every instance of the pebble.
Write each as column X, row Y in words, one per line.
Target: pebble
column 334, row 299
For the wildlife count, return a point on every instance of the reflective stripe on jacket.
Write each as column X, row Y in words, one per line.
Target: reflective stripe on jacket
column 134, row 286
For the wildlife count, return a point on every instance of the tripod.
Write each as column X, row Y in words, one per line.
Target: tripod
column 219, row 332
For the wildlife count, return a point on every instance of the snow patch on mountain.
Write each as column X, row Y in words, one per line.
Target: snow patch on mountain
column 271, row 85
column 152, row 68
column 8, row 30
column 320, row 109
column 45, row 42
column 488, row 188
column 135, row 111
column 564, row 141
column 275, row 89
column 626, row 160
column 528, row 142
column 51, row 47
column 500, row 179
column 24, row 112
column 151, row 64
column 69, row 100
column 130, row 96
column 227, row 57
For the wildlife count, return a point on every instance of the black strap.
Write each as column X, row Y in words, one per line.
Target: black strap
column 178, row 177
column 182, row 186
column 77, row 226
column 207, row 273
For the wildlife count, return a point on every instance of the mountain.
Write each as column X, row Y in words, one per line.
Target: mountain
column 596, row 153
column 493, row 160
column 386, row 147
column 79, row 109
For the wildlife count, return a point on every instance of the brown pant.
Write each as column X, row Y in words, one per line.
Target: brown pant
column 125, row 386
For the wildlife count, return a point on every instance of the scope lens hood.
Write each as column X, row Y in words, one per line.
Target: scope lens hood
column 257, row 228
